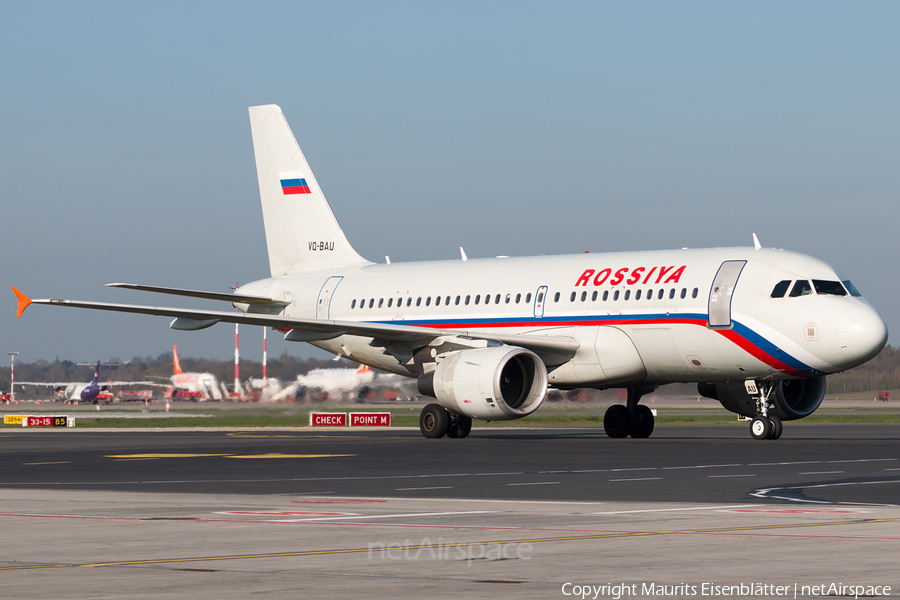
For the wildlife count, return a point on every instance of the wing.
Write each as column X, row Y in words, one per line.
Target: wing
column 553, row 350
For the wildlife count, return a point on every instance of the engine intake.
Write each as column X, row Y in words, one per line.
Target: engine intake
column 793, row 398
column 495, row 384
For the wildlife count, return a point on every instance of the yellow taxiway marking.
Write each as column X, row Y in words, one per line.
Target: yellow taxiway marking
column 624, row 534
column 277, row 455
column 61, row 462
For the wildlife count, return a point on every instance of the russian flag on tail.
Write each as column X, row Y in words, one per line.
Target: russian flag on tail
column 293, row 182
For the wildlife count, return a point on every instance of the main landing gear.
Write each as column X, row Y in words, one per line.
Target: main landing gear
column 631, row 419
column 436, row 422
column 763, row 426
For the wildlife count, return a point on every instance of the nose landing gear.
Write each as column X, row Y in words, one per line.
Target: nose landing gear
column 763, row 426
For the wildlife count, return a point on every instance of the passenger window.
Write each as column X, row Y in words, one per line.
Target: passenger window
column 781, row 288
column 556, row 297
column 851, row 288
column 428, row 301
column 616, row 295
column 390, row 302
column 457, row 301
column 487, row 298
column 467, row 299
column 583, row 296
column 694, row 293
column 518, row 298
column 672, row 294
column 605, row 295
column 371, row 302
column 801, row 288
column 594, row 296
column 380, row 302
column 683, row 293
column 528, row 298
column 627, row 294
column 572, row 297
column 447, row 301
column 508, row 298
column 832, row 288
column 419, row 301
column 497, row 299
column 477, row 298
column 409, row 301
column 437, row 300
column 637, row 295
column 661, row 294
column 353, row 304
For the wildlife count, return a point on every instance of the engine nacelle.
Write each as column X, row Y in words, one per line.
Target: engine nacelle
column 494, row 384
column 793, row 398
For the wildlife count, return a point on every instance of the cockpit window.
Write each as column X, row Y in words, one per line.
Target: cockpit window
column 833, row 288
column 801, row 288
column 851, row 288
column 781, row 288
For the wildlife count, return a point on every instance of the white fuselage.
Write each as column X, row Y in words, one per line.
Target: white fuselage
column 640, row 317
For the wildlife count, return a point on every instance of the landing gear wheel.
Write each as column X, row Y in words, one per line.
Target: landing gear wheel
column 434, row 421
column 618, row 421
column 777, row 427
column 761, row 428
column 643, row 423
column 460, row 427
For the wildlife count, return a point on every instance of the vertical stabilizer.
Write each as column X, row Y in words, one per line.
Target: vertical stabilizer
column 96, row 379
column 175, row 364
column 302, row 233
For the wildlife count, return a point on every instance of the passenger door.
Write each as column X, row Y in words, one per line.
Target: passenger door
column 540, row 298
column 722, row 291
column 323, row 304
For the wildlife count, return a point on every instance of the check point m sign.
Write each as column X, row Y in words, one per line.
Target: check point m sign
column 365, row 419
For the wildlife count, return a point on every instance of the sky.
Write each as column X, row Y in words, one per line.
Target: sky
column 507, row 128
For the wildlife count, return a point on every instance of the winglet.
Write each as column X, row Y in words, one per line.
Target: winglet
column 24, row 301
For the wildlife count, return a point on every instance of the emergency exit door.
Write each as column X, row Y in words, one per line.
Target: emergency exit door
column 722, row 291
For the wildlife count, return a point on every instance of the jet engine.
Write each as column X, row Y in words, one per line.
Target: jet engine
column 498, row 383
column 793, row 398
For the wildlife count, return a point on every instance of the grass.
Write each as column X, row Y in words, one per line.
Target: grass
column 302, row 420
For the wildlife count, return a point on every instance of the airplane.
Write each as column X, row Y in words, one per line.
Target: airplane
column 757, row 329
column 94, row 392
column 198, row 385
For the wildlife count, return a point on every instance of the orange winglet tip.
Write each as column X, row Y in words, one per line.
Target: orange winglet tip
column 24, row 301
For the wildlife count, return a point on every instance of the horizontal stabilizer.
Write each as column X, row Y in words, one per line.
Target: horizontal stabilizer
column 224, row 297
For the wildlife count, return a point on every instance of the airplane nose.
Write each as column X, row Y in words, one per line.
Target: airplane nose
column 861, row 333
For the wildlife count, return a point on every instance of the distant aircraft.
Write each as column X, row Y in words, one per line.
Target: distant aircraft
column 757, row 329
column 94, row 391
column 202, row 386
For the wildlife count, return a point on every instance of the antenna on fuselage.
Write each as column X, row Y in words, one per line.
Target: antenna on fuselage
column 462, row 254
column 756, row 244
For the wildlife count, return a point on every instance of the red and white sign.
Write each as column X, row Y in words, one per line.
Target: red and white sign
column 55, row 421
column 370, row 419
column 317, row 419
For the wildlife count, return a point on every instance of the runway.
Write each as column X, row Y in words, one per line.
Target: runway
column 814, row 463
column 389, row 514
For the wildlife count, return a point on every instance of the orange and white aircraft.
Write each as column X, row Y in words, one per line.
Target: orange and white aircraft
column 758, row 329
column 204, row 384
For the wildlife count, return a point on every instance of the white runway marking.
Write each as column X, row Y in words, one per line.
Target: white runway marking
column 437, row 487
column 735, row 475
column 703, row 467
column 438, row 514
column 536, row 483
column 638, row 479
column 821, row 473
